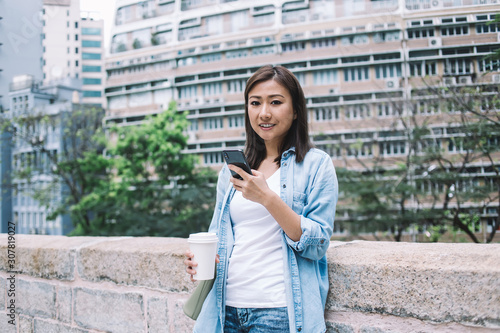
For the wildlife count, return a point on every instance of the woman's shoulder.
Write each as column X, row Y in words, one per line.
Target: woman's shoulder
column 315, row 154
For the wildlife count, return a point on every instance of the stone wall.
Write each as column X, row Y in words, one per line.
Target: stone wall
column 100, row 284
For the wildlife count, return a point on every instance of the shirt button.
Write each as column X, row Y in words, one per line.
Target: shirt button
column 284, row 185
column 299, row 329
column 322, row 241
column 284, row 164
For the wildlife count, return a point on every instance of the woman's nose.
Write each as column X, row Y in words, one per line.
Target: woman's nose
column 264, row 111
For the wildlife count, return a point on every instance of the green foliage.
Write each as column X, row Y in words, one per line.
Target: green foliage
column 156, row 189
column 144, row 185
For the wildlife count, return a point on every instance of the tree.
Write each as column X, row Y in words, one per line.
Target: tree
column 63, row 161
column 156, row 189
column 433, row 185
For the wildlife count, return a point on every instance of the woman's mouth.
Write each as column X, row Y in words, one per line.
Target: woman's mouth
column 266, row 126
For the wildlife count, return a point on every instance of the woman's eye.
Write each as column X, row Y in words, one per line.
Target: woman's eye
column 254, row 103
column 276, row 102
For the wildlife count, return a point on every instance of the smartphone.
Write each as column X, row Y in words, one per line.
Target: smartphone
column 237, row 157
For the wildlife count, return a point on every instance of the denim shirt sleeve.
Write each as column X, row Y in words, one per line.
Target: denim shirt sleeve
column 222, row 186
column 318, row 214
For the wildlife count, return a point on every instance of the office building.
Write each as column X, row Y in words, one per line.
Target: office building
column 354, row 58
column 73, row 47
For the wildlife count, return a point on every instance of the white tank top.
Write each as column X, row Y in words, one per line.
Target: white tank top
column 255, row 274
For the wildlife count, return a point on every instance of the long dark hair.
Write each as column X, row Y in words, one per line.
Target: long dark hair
column 298, row 134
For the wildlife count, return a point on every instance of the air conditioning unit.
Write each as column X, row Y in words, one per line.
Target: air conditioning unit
column 449, row 81
column 495, row 78
column 435, row 42
column 392, row 84
column 465, row 80
column 436, row 4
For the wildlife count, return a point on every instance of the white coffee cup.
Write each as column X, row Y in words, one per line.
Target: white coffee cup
column 204, row 247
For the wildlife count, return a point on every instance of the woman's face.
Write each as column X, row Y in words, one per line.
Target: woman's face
column 270, row 112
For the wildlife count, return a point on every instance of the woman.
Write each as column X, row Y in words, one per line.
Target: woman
column 274, row 226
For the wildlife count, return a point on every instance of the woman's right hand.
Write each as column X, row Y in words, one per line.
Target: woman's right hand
column 191, row 264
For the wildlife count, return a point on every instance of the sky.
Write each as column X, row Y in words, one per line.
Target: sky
column 106, row 9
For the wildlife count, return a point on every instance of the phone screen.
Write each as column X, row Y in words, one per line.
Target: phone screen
column 237, row 157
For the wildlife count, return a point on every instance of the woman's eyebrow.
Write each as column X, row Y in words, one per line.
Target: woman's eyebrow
column 270, row 96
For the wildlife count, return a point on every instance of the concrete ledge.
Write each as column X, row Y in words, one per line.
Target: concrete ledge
column 70, row 283
column 434, row 282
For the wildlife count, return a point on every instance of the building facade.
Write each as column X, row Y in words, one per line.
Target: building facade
column 31, row 99
column 73, row 47
column 354, row 59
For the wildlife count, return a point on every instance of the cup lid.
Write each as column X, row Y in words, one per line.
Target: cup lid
column 203, row 237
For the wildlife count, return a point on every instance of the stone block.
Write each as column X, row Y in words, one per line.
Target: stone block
column 109, row 311
column 64, row 301
column 157, row 314
column 338, row 328
column 36, row 299
column 42, row 326
column 50, row 257
column 25, row 324
column 5, row 327
column 151, row 262
column 180, row 322
column 432, row 282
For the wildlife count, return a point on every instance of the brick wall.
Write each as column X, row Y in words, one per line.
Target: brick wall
column 123, row 284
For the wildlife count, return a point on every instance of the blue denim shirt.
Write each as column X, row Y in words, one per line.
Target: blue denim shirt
column 310, row 188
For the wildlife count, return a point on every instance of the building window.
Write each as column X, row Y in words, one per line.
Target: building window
column 76, row 36
column 364, row 150
column 210, row 124
column 294, row 46
column 239, row 20
column 211, row 89
column 91, row 56
column 427, row 107
column 455, row 30
column 236, row 121
column 76, row 50
column 354, row 40
column 87, row 68
column 320, row 43
column 91, row 43
column 356, row 74
column 91, row 93
column 486, row 27
column 387, row 71
column 236, row 86
column 186, row 61
column 420, row 33
column 87, row 80
column 457, row 66
column 212, row 158
column 263, row 50
column 187, row 92
column 423, row 68
column 236, row 54
column 325, row 77
column 380, row 37
column 488, row 65
column 356, row 112
column 386, row 110
column 326, row 114
column 76, row 63
column 392, row 148
column 211, row 57
column 91, row 31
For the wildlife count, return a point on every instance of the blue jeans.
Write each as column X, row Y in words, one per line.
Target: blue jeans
column 256, row 320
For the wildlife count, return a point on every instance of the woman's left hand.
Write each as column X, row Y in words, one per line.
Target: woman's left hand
column 253, row 187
